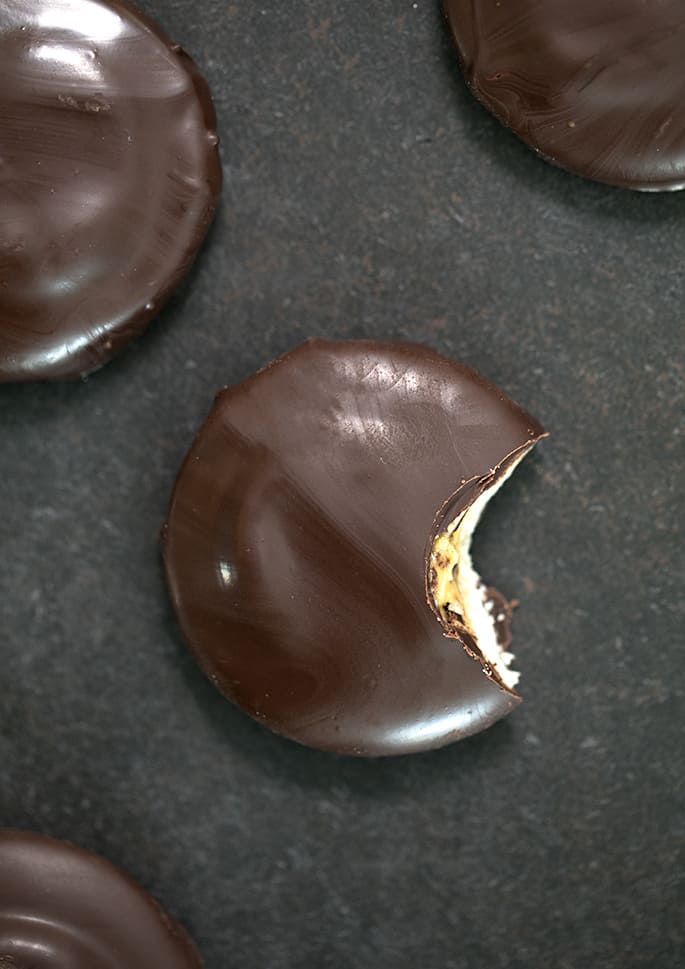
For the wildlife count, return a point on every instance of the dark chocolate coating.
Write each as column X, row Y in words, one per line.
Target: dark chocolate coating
column 298, row 537
column 109, row 177
column 596, row 86
column 64, row 908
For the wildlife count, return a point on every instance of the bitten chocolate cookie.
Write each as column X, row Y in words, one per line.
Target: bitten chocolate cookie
column 597, row 87
column 317, row 546
column 64, row 908
column 109, row 177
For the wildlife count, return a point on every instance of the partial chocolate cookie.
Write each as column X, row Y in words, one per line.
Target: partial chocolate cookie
column 64, row 908
column 109, row 177
column 317, row 547
column 595, row 86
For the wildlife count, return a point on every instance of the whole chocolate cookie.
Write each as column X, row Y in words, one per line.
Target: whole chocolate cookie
column 317, row 546
column 64, row 908
column 109, row 176
column 596, row 86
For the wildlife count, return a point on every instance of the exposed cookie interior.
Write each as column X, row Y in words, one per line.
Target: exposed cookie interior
column 468, row 609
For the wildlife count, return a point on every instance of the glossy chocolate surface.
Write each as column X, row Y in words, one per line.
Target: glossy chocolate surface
column 64, row 908
column 298, row 537
column 109, row 175
column 597, row 87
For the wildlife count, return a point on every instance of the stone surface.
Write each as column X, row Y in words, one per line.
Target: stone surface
column 367, row 194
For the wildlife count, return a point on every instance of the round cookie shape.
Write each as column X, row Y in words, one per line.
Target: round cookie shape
column 300, row 547
column 109, row 178
column 596, row 87
column 64, row 908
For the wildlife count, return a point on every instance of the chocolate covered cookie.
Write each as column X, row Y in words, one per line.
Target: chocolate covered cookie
column 65, row 908
column 597, row 87
column 109, row 177
column 317, row 547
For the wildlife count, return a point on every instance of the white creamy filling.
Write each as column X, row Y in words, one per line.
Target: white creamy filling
column 459, row 589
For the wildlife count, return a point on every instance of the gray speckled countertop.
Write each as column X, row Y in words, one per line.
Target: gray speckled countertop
column 367, row 194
